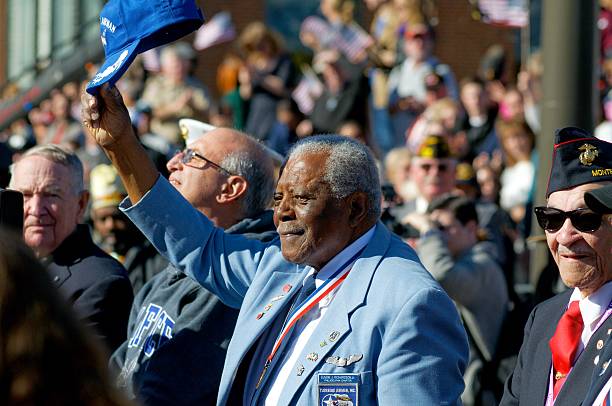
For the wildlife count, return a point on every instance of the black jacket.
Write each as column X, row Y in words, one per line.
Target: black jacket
column 94, row 283
column 528, row 384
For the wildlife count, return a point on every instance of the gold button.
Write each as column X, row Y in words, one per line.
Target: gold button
column 600, row 344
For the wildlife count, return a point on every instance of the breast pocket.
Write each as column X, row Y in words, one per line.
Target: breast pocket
column 345, row 388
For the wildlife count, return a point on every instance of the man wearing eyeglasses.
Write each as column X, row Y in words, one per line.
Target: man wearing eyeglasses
column 564, row 335
column 178, row 331
column 336, row 308
column 433, row 172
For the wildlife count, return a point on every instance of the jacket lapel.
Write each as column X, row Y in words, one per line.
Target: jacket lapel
column 256, row 318
column 335, row 325
column 579, row 378
column 543, row 357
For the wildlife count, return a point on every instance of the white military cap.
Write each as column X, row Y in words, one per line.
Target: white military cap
column 192, row 130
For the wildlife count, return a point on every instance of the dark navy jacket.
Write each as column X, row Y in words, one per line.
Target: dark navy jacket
column 95, row 284
column 178, row 335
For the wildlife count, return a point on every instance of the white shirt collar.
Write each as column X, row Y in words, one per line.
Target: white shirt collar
column 595, row 305
column 344, row 255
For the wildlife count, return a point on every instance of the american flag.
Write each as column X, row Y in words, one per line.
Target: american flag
column 353, row 42
column 307, row 91
column 218, row 30
column 351, row 39
column 509, row 13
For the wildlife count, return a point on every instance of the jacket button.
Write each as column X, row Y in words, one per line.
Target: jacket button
column 56, row 279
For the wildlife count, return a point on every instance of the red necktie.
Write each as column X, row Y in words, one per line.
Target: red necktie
column 565, row 343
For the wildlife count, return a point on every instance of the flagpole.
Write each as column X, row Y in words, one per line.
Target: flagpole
column 526, row 37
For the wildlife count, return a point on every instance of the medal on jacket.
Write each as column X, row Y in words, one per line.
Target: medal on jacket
column 296, row 314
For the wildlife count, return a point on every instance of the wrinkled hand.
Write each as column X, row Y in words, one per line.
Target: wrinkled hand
column 105, row 116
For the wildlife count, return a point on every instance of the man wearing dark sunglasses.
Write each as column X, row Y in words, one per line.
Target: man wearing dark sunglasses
column 600, row 201
column 433, row 172
column 565, row 335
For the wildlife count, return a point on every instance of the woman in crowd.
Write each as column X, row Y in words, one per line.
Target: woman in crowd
column 518, row 176
column 266, row 78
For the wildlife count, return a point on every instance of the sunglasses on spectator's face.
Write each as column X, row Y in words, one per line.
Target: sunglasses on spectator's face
column 551, row 219
column 428, row 167
column 189, row 155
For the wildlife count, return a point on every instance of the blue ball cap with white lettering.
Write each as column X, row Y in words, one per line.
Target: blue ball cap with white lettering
column 578, row 158
column 130, row 27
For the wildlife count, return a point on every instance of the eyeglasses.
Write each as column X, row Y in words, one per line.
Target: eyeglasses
column 428, row 167
column 551, row 219
column 189, row 154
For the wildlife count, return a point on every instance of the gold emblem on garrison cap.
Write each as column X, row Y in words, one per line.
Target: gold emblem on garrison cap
column 588, row 154
column 184, row 131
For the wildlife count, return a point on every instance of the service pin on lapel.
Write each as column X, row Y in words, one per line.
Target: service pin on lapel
column 604, row 367
column 333, row 336
column 300, row 370
column 259, row 315
column 344, row 362
column 268, row 307
column 277, row 298
column 322, row 343
column 313, row 356
column 287, row 287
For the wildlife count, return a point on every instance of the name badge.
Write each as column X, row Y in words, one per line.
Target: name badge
column 338, row 389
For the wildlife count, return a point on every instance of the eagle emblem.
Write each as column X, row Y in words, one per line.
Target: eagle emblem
column 184, row 131
column 588, row 154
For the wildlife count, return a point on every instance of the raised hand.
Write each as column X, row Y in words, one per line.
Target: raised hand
column 105, row 117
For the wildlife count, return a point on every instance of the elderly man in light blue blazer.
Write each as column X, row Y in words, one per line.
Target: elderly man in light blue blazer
column 336, row 311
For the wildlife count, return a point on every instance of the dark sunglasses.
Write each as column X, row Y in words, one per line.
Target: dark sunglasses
column 189, row 155
column 551, row 219
column 427, row 167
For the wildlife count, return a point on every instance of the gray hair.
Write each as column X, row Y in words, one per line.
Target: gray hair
column 254, row 164
column 59, row 155
column 350, row 167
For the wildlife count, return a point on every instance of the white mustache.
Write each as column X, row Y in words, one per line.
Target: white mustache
column 563, row 250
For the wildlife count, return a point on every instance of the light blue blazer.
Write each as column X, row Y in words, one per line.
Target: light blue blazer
column 389, row 309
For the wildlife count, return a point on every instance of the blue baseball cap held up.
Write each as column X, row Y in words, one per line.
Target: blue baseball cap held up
column 130, row 27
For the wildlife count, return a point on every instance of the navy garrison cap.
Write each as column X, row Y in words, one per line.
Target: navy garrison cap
column 578, row 158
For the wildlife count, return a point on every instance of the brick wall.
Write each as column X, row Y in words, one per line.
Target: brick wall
column 461, row 41
column 242, row 12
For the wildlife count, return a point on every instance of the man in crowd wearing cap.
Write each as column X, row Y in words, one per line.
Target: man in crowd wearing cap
column 452, row 248
column 115, row 233
column 54, row 201
column 433, row 172
column 600, row 391
column 364, row 320
column 564, row 335
column 407, row 81
column 178, row 331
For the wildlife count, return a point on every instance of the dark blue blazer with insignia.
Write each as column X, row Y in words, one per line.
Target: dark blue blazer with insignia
column 602, row 372
column 528, row 384
column 94, row 283
column 390, row 316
